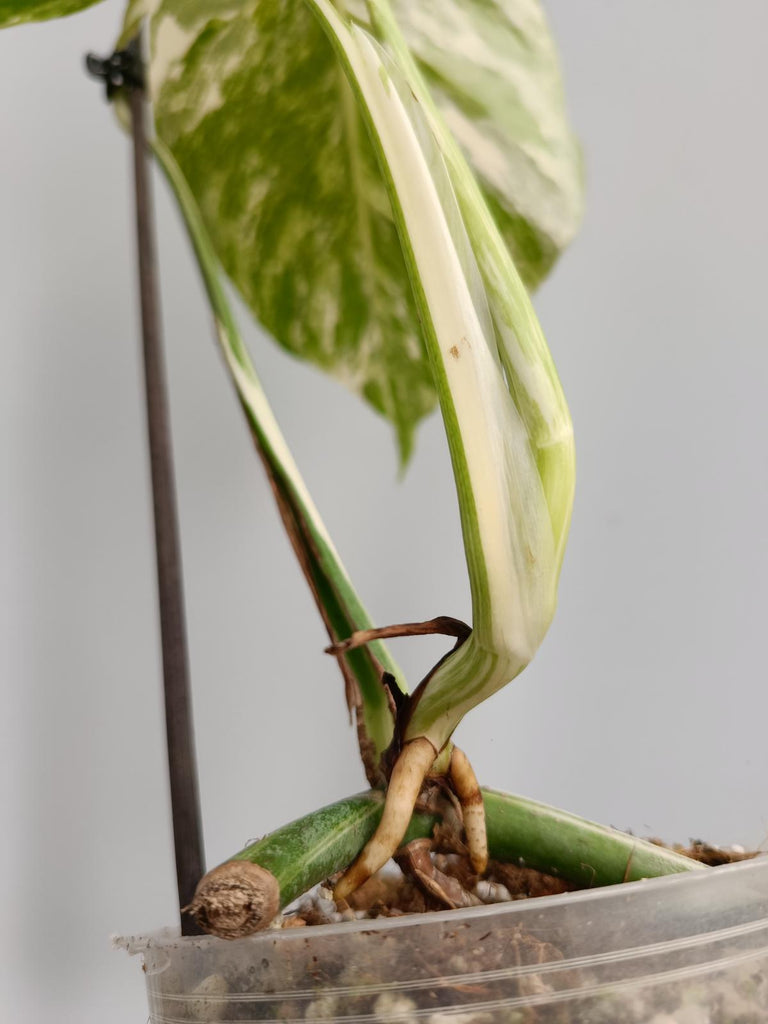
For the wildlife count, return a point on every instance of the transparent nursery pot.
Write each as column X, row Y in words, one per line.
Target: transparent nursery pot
column 684, row 949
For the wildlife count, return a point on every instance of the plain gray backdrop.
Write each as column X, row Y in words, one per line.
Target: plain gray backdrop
column 646, row 707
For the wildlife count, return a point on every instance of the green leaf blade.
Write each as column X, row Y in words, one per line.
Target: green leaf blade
column 252, row 102
column 21, row 12
column 262, row 123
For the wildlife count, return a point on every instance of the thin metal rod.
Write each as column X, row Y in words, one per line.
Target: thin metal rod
column 185, row 802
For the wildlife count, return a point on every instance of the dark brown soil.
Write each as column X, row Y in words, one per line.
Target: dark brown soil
column 438, row 881
column 713, row 855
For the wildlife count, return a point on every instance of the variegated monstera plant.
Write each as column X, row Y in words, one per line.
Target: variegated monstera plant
column 384, row 181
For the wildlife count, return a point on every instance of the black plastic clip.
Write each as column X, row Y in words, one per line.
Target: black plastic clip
column 123, row 69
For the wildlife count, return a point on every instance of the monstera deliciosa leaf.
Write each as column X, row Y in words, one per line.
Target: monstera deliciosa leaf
column 251, row 101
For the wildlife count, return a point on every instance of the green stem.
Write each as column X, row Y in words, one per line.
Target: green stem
column 308, row 850
column 573, row 848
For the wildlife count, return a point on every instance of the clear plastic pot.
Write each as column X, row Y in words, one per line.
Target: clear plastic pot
column 685, row 949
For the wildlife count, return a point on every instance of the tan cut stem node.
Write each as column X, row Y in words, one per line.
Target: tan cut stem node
column 466, row 787
column 235, row 899
column 405, row 784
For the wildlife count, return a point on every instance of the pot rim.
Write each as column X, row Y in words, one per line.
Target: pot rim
column 683, row 881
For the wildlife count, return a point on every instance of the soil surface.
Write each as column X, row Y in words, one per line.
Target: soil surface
column 438, row 881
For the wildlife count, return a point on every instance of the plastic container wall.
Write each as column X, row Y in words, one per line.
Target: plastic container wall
column 686, row 949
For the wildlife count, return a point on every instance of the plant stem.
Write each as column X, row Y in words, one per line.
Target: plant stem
column 309, row 850
column 318, row 845
column 185, row 805
column 573, row 848
column 242, row 895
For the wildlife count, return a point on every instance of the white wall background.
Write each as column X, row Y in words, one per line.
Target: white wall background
column 647, row 705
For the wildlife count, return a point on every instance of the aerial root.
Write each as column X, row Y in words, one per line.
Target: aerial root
column 411, row 767
column 465, row 785
column 445, row 625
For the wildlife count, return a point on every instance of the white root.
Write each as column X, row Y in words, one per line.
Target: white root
column 467, row 789
column 411, row 767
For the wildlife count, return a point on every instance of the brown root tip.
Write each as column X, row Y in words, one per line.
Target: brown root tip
column 235, row 899
column 466, row 788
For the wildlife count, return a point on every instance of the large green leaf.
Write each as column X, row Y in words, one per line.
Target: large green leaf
column 251, row 101
column 17, row 12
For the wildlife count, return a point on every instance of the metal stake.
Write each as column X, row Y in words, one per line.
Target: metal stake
column 124, row 69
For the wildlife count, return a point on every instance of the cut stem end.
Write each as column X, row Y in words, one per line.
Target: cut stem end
column 235, row 899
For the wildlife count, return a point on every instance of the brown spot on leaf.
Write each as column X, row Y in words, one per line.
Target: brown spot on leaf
column 454, row 351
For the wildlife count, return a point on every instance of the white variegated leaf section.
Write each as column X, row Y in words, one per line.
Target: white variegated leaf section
column 512, row 548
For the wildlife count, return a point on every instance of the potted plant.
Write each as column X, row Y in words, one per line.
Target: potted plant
column 499, row 395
